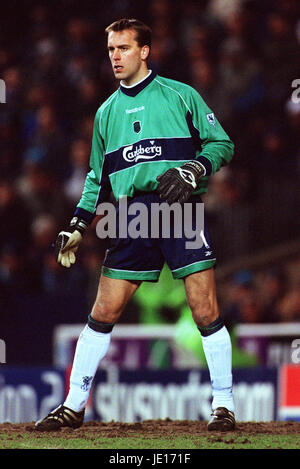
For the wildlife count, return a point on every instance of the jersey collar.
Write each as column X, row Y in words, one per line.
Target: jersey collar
column 138, row 87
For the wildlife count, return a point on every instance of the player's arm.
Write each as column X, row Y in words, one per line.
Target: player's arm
column 213, row 149
column 68, row 240
column 213, row 146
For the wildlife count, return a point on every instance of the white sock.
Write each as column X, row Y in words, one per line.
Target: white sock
column 218, row 354
column 91, row 347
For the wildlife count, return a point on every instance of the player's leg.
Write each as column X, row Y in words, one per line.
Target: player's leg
column 200, row 290
column 93, row 343
column 201, row 297
column 112, row 297
column 128, row 262
column 194, row 263
column 92, row 346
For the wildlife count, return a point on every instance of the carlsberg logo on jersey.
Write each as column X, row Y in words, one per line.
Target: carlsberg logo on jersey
column 133, row 153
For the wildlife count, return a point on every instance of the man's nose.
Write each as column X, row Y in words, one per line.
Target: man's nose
column 116, row 55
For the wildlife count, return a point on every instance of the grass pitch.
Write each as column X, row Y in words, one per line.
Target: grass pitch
column 154, row 435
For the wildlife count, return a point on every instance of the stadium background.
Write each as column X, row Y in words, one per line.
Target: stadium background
column 242, row 56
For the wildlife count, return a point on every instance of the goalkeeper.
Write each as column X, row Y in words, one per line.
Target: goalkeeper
column 154, row 140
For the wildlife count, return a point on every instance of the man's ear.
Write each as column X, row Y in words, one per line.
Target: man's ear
column 145, row 52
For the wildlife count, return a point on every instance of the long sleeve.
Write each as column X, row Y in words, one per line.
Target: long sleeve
column 96, row 188
column 213, row 146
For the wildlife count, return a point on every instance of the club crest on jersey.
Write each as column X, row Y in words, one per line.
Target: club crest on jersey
column 141, row 151
column 137, row 126
column 211, row 118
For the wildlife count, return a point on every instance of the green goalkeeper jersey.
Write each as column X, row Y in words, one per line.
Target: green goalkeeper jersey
column 143, row 130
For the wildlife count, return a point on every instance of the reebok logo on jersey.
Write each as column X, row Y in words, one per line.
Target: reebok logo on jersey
column 135, row 109
column 133, row 153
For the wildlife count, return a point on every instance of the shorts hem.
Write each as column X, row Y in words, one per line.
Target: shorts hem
column 193, row 268
column 151, row 276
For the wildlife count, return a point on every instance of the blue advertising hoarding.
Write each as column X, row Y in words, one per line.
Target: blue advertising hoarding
column 27, row 394
column 130, row 396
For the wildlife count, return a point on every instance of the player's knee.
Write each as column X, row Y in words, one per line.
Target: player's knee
column 204, row 311
column 106, row 313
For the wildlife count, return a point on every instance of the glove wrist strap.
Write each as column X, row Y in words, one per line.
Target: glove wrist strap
column 196, row 166
column 78, row 224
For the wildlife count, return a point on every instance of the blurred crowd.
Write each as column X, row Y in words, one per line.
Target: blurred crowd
column 271, row 295
column 241, row 55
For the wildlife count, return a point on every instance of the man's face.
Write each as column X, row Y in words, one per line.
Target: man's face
column 127, row 58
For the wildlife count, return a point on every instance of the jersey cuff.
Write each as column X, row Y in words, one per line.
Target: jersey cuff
column 205, row 163
column 84, row 214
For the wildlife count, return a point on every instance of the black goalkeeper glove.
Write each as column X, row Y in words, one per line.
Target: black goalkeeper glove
column 67, row 242
column 178, row 184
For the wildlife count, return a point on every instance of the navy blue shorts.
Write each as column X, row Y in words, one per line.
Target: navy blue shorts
column 142, row 258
